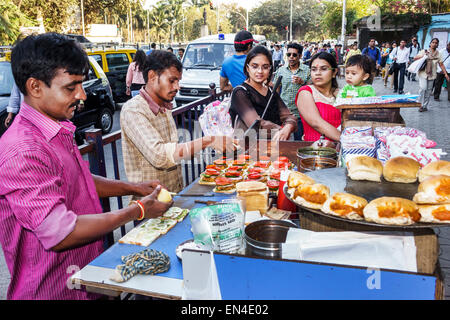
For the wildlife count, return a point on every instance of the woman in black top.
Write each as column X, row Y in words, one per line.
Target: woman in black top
column 249, row 99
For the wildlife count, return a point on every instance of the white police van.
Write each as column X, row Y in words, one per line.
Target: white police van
column 202, row 62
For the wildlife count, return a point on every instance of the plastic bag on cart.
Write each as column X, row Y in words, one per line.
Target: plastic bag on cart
column 215, row 119
column 219, row 227
column 387, row 250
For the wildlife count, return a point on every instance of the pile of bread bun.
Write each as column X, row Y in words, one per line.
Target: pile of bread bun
column 431, row 203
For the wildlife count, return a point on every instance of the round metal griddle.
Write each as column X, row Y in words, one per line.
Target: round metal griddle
column 337, row 180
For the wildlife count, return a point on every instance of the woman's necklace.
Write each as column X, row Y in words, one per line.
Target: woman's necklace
column 325, row 91
column 262, row 89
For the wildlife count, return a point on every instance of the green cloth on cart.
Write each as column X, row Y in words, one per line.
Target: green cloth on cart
column 148, row 261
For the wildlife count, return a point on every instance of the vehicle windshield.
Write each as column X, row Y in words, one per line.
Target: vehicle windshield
column 6, row 79
column 209, row 55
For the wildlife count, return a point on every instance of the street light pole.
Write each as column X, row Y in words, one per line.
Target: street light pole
column 82, row 17
column 343, row 23
column 246, row 20
column 290, row 26
column 173, row 27
column 218, row 25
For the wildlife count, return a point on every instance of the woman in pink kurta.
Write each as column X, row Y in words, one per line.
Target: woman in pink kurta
column 135, row 79
column 315, row 102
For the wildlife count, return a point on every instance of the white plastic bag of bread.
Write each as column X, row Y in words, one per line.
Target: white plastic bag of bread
column 345, row 205
column 434, row 168
column 392, row 211
column 433, row 190
column 365, row 168
column 401, row 169
column 439, row 213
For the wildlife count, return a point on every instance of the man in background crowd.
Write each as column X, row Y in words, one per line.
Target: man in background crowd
column 445, row 53
column 414, row 48
column 232, row 72
column 307, row 54
column 400, row 56
column 294, row 75
column 180, row 53
column 373, row 53
column 277, row 57
column 337, row 52
column 152, row 47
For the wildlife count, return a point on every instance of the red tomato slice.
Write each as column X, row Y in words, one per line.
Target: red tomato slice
column 275, row 174
column 273, row 184
column 283, row 159
column 220, row 162
column 256, row 170
column 232, row 173
column 254, row 176
column 223, row 181
column 244, row 157
column 212, row 172
column 262, row 164
column 280, row 165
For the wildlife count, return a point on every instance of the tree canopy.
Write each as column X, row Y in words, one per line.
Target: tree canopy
column 182, row 19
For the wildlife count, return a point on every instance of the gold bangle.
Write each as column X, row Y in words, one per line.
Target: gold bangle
column 141, row 206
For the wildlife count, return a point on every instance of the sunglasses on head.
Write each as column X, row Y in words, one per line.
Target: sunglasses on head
column 292, row 54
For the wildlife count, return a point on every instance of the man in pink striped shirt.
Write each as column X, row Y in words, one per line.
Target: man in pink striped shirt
column 50, row 215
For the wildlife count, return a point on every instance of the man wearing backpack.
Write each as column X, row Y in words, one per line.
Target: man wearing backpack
column 373, row 53
column 414, row 48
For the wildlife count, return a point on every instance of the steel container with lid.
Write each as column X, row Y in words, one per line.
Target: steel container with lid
column 316, row 163
column 320, row 152
column 264, row 238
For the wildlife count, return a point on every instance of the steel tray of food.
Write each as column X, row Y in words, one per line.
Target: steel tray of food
column 337, row 181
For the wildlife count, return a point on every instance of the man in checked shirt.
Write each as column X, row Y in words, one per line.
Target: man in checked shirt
column 295, row 74
column 149, row 135
column 51, row 219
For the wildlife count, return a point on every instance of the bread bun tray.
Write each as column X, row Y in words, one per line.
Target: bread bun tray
column 337, row 180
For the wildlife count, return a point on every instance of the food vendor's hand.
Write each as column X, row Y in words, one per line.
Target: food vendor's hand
column 8, row 119
column 325, row 144
column 154, row 208
column 447, row 77
column 283, row 134
column 145, row 188
column 224, row 144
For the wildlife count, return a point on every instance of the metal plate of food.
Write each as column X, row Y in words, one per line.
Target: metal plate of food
column 337, row 180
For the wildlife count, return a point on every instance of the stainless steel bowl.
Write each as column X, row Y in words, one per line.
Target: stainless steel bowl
column 264, row 237
column 316, row 163
column 310, row 152
column 315, row 153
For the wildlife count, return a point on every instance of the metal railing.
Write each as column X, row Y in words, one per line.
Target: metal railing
column 185, row 118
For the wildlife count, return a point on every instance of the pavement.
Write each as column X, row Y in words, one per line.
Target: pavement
column 435, row 123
